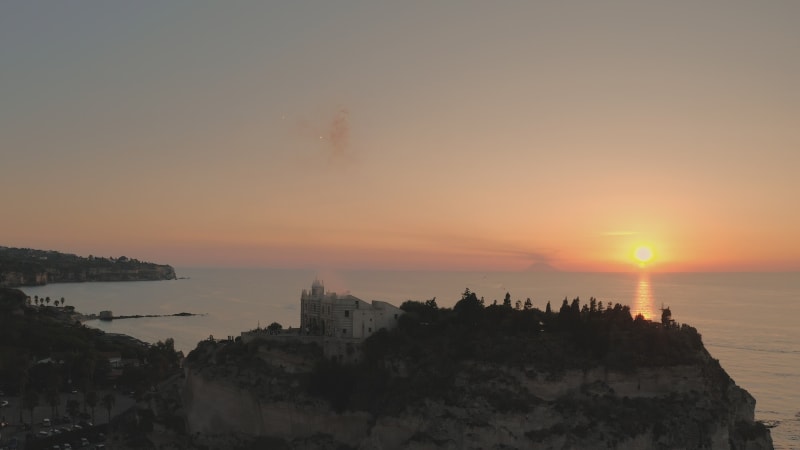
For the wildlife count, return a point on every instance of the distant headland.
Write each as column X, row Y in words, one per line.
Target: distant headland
column 29, row 267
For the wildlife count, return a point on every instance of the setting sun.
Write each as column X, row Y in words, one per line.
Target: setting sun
column 643, row 254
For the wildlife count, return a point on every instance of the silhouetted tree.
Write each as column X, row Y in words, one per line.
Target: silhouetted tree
column 274, row 328
column 469, row 305
column 507, row 300
column 563, row 312
column 547, row 309
column 90, row 400
column 528, row 304
column 73, row 408
column 419, row 312
column 53, row 399
column 30, row 400
column 518, row 305
column 22, row 375
column 666, row 317
column 575, row 307
column 108, row 402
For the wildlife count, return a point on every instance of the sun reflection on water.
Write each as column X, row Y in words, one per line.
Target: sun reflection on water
column 644, row 303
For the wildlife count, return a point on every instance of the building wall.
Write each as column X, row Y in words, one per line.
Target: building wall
column 374, row 317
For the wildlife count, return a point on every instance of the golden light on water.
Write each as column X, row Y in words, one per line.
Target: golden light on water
column 643, row 302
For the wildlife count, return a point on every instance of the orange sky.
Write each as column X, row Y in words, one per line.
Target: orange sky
column 409, row 136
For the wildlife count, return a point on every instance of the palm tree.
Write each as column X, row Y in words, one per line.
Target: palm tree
column 30, row 400
column 36, row 300
column 47, row 300
column 108, row 401
column 22, row 374
column 73, row 408
column 56, row 303
column 53, row 399
column 90, row 400
column 63, row 303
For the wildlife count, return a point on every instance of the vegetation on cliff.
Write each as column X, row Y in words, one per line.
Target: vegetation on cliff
column 432, row 347
column 28, row 267
column 472, row 367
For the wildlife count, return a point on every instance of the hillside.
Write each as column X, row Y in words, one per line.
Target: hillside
column 587, row 376
column 28, row 267
column 51, row 366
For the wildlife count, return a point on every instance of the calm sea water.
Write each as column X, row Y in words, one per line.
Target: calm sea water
column 748, row 321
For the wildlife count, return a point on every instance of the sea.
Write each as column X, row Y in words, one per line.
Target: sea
column 750, row 322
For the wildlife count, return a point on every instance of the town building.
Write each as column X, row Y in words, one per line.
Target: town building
column 328, row 314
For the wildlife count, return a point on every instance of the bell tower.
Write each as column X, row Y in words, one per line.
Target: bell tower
column 317, row 289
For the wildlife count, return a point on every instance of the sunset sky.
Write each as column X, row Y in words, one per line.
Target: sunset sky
column 404, row 135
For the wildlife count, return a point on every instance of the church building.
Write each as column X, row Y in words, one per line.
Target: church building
column 328, row 314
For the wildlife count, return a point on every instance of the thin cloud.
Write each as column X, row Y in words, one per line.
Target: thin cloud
column 619, row 233
column 337, row 135
column 333, row 135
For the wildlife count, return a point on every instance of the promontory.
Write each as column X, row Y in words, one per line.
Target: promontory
column 471, row 377
column 29, row 267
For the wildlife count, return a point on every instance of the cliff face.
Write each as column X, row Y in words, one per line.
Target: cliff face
column 269, row 391
column 26, row 267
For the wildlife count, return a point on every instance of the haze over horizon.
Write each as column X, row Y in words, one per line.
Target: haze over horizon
column 416, row 135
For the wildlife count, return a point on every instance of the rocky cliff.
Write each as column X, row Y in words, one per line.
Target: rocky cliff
column 641, row 385
column 27, row 267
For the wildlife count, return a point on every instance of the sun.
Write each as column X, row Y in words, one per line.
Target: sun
column 643, row 254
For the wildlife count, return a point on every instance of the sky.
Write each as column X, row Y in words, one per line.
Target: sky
column 404, row 135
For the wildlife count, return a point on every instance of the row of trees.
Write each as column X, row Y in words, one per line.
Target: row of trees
column 37, row 301
column 31, row 399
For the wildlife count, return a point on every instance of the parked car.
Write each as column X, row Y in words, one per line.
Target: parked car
column 46, row 423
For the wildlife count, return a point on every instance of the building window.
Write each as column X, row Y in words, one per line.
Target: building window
column 356, row 304
column 346, row 313
column 369, row 329
column 344, row 330
column 395, row 317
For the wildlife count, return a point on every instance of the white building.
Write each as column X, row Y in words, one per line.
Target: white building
column 346, row 316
